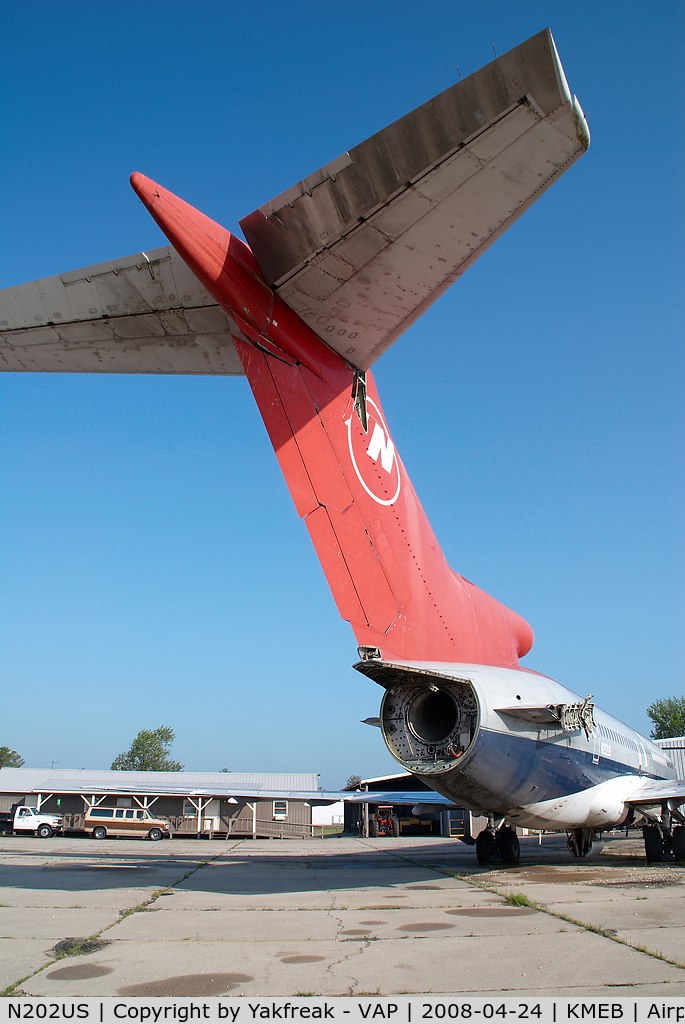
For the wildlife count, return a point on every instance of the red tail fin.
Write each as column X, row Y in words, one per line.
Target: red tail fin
column 382, row 561
column 386, row 571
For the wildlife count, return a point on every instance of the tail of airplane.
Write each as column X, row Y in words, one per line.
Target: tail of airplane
column 385, row 568
column 337, row 268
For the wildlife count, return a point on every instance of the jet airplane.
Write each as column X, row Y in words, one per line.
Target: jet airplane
column 335, row 270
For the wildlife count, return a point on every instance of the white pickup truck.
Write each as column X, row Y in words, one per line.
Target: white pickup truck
column 27, row 820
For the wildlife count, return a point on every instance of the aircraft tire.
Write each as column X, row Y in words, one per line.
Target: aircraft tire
column 678, row 840
column 484, row 846
column 653, row 848
column 509, row 845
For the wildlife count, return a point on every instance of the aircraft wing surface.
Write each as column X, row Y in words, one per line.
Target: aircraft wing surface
column 654, row 792
column 363, row 246
column 387, row 796
column 146, row 313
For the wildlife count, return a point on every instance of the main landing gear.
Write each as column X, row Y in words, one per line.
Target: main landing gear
column 663, row 843
column 664, row 833
column 497, row 844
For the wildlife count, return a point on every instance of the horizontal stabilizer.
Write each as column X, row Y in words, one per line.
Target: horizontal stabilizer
column 145, row 313
column 362, row 247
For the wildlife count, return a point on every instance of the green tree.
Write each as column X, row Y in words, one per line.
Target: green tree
column 353, row 780
column 10, row 758
column 668, row 715
column 149, row 752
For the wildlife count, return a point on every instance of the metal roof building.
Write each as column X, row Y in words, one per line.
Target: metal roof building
column 70, row 780
column 675, row 745
column 215, row 803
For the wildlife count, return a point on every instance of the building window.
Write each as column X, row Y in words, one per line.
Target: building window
column 124, row 801
column 189, row 809
column 280, row 809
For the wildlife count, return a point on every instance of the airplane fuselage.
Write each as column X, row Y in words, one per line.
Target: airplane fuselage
column 447, row 723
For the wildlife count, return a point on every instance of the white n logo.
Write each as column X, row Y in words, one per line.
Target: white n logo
column 383, row 446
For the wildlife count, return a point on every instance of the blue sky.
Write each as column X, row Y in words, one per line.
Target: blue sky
column 152, row 567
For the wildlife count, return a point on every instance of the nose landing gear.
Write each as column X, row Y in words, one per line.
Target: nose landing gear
column 580, row 840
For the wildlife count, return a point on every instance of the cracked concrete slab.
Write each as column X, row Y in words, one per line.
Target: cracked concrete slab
column 412, row 964
column 668, row 942
column 217, row 925
column 630, row 913
column 56, row 899
column 51, row 922
column 19, row 958
column 334, row 917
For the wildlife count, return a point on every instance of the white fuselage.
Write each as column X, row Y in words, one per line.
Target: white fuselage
column 535, row 775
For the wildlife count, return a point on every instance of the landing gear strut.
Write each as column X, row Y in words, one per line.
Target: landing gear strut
column 497, row 844
column 580, row 840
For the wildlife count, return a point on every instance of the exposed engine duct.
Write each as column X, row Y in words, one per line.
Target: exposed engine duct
column 429, row 721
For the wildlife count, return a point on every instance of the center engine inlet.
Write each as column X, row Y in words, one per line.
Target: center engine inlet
column 429, row 722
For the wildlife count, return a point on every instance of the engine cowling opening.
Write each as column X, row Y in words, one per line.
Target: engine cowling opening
column 429, row 722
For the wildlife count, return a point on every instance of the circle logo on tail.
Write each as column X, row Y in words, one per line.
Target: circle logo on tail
column 373, row 456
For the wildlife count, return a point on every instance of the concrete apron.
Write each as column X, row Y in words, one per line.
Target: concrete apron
column 335, row 917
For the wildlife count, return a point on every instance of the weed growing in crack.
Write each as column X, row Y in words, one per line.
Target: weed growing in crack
column 519, row 899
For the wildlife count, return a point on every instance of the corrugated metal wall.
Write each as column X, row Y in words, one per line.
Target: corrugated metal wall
column 7, row 799
column 675, row 746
